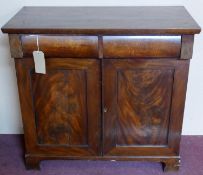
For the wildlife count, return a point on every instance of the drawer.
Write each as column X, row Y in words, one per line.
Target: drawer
column 61, row 46
column 141, row 46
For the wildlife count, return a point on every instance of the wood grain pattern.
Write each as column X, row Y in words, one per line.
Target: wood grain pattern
column 67, row 120
column 89, row 106
column 138, row 98
column 102, row 20
column 60, row 107
column 141, row 46
column 61, row 46
column 178, row 104
column 144, row 98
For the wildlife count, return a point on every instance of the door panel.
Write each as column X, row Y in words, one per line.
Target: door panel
column 65, row 106
column 60, row 107
column 137, row 99
column 143, row 103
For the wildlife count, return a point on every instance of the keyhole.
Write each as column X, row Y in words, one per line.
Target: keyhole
column 105, row 109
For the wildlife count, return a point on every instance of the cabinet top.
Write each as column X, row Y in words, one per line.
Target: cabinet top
column 102, row 20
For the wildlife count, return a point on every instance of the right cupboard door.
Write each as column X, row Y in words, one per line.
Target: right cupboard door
column 143, row 104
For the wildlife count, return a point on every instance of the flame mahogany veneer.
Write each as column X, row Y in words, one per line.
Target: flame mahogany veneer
column 115, row 84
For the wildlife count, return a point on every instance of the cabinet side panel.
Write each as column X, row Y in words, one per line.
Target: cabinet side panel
column 178, row 104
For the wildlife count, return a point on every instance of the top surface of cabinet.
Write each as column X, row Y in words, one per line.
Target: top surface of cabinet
column 102, row 20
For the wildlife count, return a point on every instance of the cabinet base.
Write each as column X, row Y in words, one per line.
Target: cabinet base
column 171, row 165
column 168, row 163
column 32, row 162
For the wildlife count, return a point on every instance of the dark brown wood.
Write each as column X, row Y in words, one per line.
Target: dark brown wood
column 187, row 46
column 32, row 162
column 115, row 82
column 141, row 46
column 60, row 110
column 102, row 20
column 171, row 165
column 100, row 47
column 137, row 98
column 61, row 46
column 15, row 46
column 178, row 104
column 60, row 113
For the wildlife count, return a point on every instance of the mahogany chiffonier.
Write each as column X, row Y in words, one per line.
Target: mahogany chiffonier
column 114, row 86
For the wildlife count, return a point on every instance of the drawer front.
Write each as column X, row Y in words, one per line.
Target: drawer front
column 141, row 46
column 61, row 46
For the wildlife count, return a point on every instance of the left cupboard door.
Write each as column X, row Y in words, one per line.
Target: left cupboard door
column 60, row 109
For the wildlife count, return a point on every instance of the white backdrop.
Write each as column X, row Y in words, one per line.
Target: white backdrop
column 10, row 116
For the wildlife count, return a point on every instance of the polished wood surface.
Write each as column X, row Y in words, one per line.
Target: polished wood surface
column 60, row 110
column 115, row 84
column 150, row 46
column 143, row 99
column 137, row 96
column 103, row 20
column 141, row 46
column 59, row 118
column 61, row 46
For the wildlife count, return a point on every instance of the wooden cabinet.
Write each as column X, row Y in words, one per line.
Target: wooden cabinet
column 112, row 90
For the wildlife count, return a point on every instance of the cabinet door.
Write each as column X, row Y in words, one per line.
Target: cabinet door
column 143, row 106
column 61, row 109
